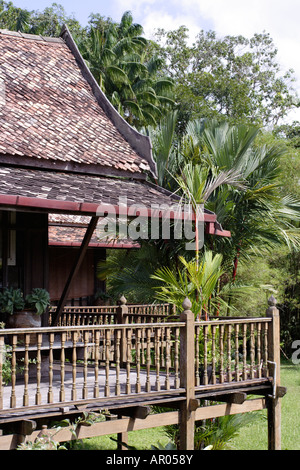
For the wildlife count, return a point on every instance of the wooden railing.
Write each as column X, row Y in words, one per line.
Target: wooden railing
column 57, row 366
column 231, row 350
column 112, row 314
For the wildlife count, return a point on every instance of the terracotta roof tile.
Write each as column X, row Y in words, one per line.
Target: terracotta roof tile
column 60, row 235
column 77, row 188
column 50, row 110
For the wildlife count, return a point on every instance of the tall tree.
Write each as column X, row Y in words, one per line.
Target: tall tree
column 232, row 77
column 47, row 22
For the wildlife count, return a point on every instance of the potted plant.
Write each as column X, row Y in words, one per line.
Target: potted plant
column 24, row 312
column 102, row 298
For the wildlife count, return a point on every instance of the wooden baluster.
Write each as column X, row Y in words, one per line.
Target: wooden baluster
column 252, row 351
column 162, row 348
column 213, row 352
column 62, row 367
column 157, row 358
column 13, row 371
column 259, row 350
column 197, row 352
column 229, row 373
column 265, row 343
column 96, row 363
column 244, row 351
column 50, row 389
column 176, row 358
column 128, row 362
column 168, row 356
column 26, row 370
column 205, row 335
column 117, row 358
column 148, row 360
column 38, row 397
column 236, row 331
column 221, row 345
column 85, row 364
column 107, row 362
column 143, row 345
column 137, row 358
column 74, row 361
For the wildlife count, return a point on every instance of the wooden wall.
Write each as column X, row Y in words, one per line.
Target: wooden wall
column 85, row 284
column 28, row 267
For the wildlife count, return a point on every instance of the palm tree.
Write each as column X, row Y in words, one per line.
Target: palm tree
column 13, row 18
column 100, row 52
column 118, row 57
column 168, row 159
column 197, row 282
column 260, row 217
column 146, row 97
column 222, row 166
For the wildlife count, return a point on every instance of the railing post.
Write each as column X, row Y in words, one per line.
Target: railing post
column 274, row 402
column 122, row 318
column 187, row 377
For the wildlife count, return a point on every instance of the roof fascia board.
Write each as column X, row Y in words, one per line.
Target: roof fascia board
column 139, row 142
column 95, row 245
column 86, row 208
column 68, row 167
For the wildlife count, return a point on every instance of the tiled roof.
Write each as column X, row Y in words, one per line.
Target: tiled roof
column 75, row 190
column 60, row 235
column 52, row 110
column 68, row 230
column 63, row 147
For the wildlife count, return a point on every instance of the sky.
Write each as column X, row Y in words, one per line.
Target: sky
column 280, row 18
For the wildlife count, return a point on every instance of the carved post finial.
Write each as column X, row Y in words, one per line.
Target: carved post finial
column 272, row 301
column 123, row 300
column 187, row 304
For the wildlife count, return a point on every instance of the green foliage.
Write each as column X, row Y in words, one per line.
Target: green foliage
column 128, row 272
column 43, row 442
column 231, row 77
column 38, row 299
column 6, row 364
column 119, row 58
column 220, row 431
column 217, row 433
column 169, row 446
column 197, row 282
column 48, row 22
column 12, row 300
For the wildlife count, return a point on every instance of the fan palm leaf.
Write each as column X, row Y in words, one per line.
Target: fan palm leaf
column 198, row 283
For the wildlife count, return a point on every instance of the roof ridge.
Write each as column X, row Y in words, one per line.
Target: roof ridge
column 35, row 37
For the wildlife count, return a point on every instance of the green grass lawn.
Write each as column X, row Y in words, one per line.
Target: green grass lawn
column 254, row 436
column 141, row 440
column 251, row 437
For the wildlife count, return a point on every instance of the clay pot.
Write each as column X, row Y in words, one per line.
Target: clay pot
column 24, row 319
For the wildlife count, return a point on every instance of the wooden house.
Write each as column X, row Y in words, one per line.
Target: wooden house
column 65, row 151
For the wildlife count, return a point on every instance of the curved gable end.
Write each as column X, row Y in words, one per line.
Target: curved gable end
column 53, row 114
